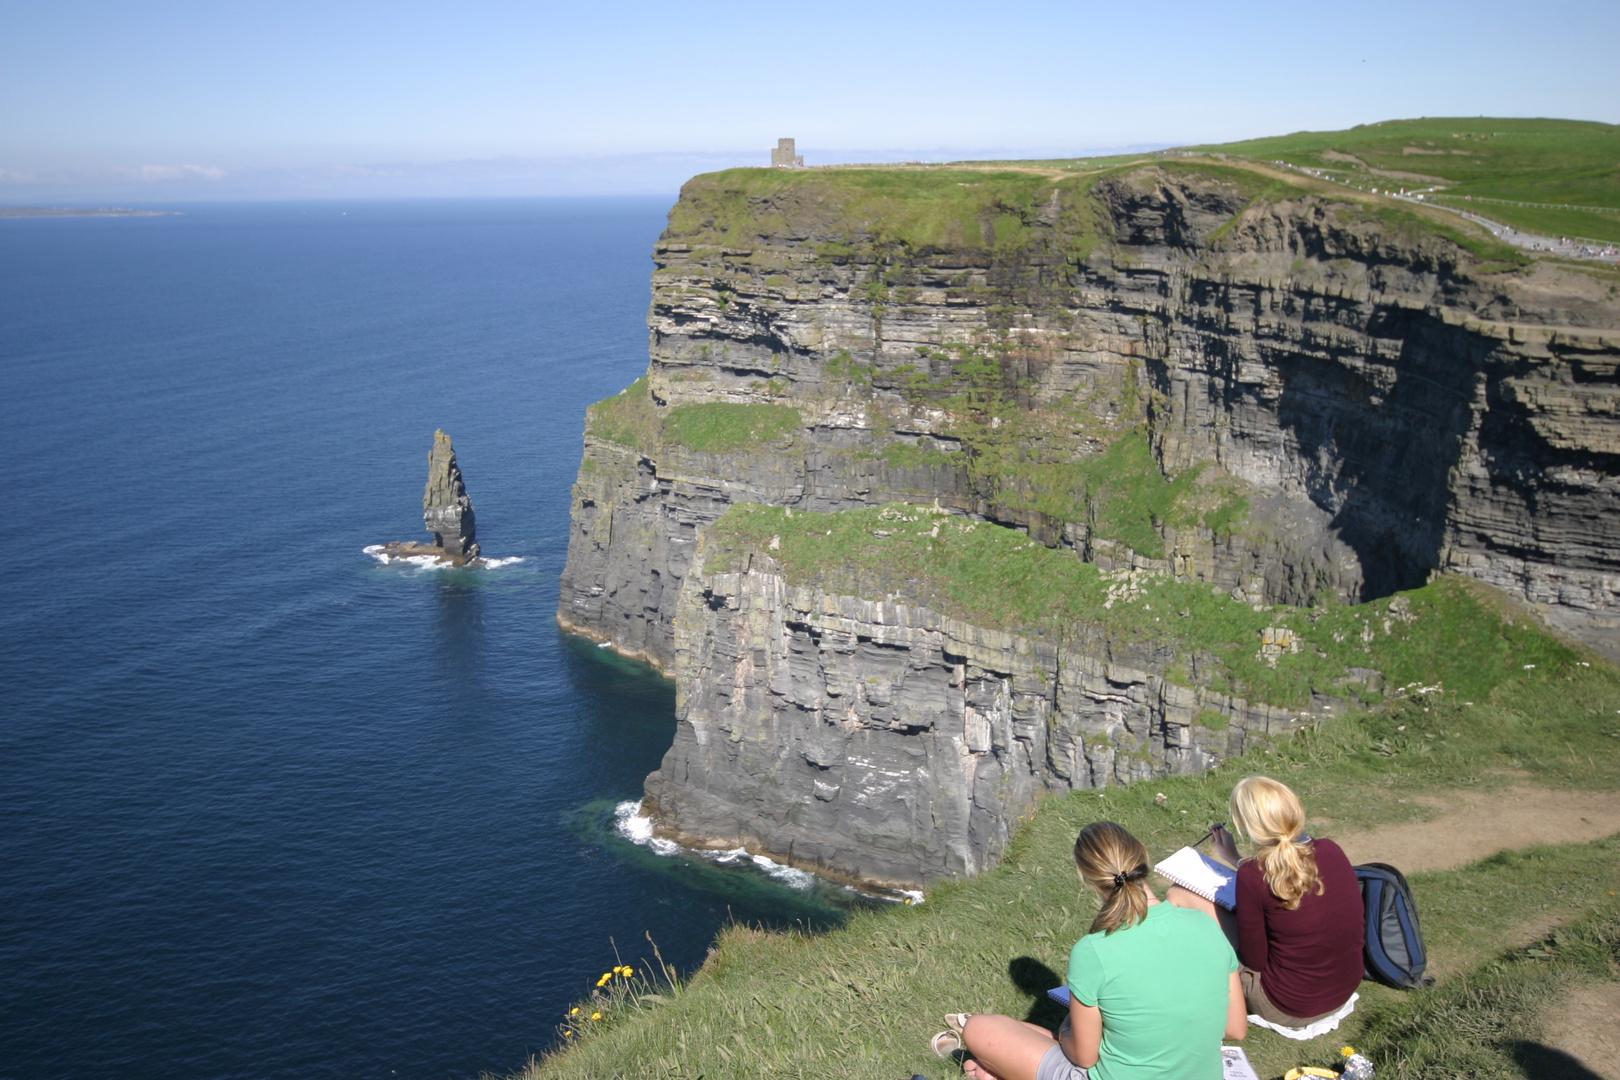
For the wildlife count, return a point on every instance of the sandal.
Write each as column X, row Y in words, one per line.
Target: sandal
column 957, row 1021
column 946, row 1044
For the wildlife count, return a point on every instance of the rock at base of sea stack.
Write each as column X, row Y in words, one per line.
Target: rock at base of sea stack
column 447, row 512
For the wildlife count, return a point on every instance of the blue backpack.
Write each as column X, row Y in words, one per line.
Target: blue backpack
column 1394, row 954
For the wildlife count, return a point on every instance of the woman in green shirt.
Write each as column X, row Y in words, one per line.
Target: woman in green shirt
column 1153, row 988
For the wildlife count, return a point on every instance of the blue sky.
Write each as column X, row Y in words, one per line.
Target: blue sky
column 157, row 100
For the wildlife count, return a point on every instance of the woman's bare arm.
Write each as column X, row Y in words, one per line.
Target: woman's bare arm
column 1082, row 1035
column 1237, row 1010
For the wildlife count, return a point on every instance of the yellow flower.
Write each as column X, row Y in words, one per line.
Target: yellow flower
column 596, row 1016
column 574, row 1011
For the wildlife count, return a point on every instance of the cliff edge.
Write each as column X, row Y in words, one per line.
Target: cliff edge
column 1174, row 373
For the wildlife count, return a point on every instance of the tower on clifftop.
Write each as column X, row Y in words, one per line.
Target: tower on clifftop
column 783, row 156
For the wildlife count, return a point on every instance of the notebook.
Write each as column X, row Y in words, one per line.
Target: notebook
column 1198, row 873
column 1235, row 1064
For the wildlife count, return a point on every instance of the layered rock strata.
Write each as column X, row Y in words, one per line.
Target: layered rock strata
column 882, row 742
column 1340, row 400
column 447, row 511
column 1386, row 409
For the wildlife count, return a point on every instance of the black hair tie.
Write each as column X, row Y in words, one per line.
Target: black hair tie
column 1120, row 880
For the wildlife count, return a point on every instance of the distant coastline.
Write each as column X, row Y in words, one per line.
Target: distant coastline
column 79, row 211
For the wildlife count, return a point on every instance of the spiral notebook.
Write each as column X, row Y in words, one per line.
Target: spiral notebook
column 1198, row 873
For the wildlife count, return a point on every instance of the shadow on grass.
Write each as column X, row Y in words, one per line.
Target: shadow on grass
column 1034, row 978
column 1544, row 1063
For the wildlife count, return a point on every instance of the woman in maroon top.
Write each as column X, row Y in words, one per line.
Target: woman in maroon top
column 1300, row 921
column 1299, row 925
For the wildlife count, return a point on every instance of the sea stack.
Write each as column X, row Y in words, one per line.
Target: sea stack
column 447, row 513
column 446, row 510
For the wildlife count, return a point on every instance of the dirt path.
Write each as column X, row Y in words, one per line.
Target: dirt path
column 1584, row 1026
column 1482, row 823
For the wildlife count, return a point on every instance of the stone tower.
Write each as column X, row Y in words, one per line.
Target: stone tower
column 446, row 510
column 783, row 156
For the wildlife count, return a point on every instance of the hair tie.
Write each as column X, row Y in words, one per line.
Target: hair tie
column 1121, row 880
column 1303, row 838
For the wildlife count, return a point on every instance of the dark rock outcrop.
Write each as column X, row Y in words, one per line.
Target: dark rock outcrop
column 447, row 512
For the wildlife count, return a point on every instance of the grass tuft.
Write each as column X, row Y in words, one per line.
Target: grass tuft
column 721, row 426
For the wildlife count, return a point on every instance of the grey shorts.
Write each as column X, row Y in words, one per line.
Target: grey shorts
column 1055, row 1065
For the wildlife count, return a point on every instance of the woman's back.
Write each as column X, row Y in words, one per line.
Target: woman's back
column 1310, row 958
column 1162, row 986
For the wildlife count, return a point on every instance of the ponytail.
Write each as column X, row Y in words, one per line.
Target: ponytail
column 1273, row 817
column 1114, row 863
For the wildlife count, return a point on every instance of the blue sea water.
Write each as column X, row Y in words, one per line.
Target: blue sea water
column 270, row 808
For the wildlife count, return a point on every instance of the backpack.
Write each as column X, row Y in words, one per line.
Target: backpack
column 1394, row 953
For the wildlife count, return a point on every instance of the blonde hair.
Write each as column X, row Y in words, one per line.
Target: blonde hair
column 1115, row 863
column 1271, row 815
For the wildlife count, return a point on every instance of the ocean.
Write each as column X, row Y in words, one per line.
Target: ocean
column 268, row 807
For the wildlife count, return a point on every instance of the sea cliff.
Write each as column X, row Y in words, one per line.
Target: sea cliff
column 1173, row 374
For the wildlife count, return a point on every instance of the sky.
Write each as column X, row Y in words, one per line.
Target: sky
column 157, row 100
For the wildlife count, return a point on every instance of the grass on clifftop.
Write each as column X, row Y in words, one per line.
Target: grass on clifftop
column 1553, row 162
column 939, row 207
column 861, row 1001
column 1450, row 632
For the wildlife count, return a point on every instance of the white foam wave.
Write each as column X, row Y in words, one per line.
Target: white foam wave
column 638, row 829
column 496, row 564
column 787, row 875
column 421, row 562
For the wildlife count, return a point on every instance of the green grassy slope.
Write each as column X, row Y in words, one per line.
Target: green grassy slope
column 1447, row 632
column 862, row 1000
column 1552, row 162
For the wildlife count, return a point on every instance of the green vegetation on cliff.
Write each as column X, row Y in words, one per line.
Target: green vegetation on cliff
column 1502, row 164
column 863, row 1000
column 632, row 418
column 720, row 426
column 922, row 208
column 629, row 418
column 1452, row 632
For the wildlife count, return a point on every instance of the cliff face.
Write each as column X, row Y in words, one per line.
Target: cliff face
column 1189, row 369
column 884, row 742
